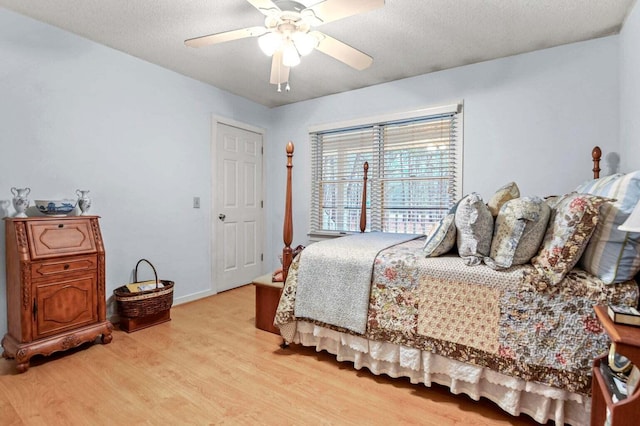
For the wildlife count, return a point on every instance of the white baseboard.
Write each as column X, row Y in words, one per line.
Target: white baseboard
column 193, row 296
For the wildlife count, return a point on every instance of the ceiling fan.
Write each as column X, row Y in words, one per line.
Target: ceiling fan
column 287, row 33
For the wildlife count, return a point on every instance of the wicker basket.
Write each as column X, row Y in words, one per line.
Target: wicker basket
column 144, row 303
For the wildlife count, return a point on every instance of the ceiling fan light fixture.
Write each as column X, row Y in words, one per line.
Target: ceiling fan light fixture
column 270, row 43
column 290, row 57
column 286, row 34
column 304, row 42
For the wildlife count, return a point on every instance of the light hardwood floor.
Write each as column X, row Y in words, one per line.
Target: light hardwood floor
column 210, row 365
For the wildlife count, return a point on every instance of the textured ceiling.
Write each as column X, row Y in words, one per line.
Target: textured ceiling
column 405, row 37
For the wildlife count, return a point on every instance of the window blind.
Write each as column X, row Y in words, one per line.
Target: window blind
column 414, row 174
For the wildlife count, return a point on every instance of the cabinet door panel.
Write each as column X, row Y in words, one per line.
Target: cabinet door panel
column 54, row 238
column 64, row 305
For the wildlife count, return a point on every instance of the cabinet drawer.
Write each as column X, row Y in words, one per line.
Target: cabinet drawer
column 64, row 237
column 59, row 266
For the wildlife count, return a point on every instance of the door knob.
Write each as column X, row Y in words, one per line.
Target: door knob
column 222, row 216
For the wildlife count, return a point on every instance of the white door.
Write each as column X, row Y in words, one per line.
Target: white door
column 238, row 207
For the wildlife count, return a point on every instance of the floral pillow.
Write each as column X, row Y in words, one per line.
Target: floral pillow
column 474, row 229
column 507, row 192
column 518, row 232
column 443, row 238
column 571, row 224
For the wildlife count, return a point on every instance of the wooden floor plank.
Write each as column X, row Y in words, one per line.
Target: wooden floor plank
column 210, row 365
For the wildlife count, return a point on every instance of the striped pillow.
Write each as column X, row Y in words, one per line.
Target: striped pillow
column 613, row 255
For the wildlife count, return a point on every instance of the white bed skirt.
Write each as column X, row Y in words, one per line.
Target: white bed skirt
column 513, row 395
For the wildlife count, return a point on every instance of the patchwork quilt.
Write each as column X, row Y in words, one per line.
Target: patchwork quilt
column 474, row 314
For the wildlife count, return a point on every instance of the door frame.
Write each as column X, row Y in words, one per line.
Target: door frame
column 216, row 258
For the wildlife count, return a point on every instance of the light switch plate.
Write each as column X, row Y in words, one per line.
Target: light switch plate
column 196, row 202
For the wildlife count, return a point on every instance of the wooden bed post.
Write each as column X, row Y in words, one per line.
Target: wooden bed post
column 287, row 231
column 363, row 207
column 596, row 154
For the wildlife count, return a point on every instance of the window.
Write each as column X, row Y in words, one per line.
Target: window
column 414, row 172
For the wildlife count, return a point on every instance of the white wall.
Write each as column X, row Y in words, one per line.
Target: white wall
column 75, row 114
column 630, row 93
column 532, row 118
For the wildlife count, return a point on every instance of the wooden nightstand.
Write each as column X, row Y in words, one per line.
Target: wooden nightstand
column 267, row 298
column 627, row 340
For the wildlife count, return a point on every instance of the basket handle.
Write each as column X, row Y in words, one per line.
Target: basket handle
column 135, row 272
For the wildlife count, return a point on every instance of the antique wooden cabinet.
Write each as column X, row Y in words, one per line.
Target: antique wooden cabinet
column 55, row 286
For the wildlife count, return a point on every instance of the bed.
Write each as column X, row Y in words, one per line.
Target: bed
column 521, row 335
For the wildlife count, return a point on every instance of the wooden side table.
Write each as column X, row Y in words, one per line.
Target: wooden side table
column 627, row 340
column 267, row 298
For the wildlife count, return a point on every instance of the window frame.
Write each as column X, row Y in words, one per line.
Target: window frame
column 381, row 120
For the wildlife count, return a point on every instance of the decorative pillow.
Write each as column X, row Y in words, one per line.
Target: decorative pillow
column 552, row 200
column 595, row 186
column 443, row 238
column 474, row 225
column 570, row 226
column 613, row 255
column 518, row 232
column 508, row 192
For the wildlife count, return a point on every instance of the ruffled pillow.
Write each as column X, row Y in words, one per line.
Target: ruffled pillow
column 443, row 238
column 505, row 193
column 571, row 224
column 518, row 232
column 474, row 229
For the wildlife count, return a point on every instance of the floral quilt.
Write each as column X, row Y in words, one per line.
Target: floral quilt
column 474, row 314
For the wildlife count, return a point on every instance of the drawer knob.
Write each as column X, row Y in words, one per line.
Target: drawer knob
column 66, row 267
column 61, row 225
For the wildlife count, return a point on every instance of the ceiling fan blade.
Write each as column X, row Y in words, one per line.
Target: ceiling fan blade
column 342, row 52
column 264, row 6
column 279, row 73
column 225, row 36
column 332, row 10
